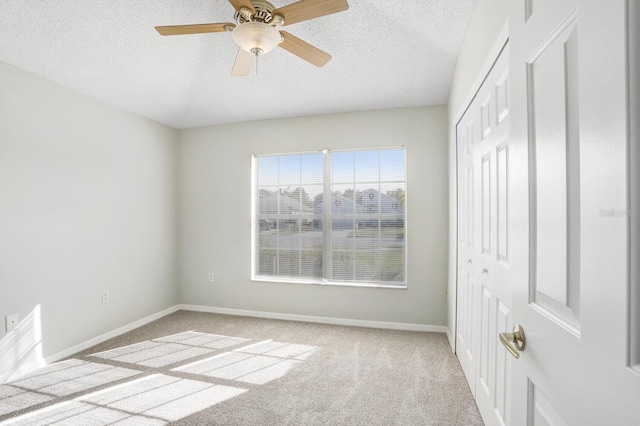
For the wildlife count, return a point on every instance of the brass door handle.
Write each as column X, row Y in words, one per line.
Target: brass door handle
column 514, row 342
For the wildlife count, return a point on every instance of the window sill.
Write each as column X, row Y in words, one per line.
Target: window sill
column 275, row 280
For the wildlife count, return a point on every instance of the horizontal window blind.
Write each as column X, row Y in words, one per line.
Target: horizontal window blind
column 333, row 216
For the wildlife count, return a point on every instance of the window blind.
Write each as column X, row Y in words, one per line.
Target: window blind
column 331, row 217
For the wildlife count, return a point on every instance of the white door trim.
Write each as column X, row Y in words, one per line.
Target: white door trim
column 634, row 189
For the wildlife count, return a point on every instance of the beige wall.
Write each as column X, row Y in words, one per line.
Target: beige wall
column 215, row 215
column 484, row 28
column 87, row 203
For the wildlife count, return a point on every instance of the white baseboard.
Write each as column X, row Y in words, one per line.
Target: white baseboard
column 321, row 320
column 245, row 313
column 109, row 335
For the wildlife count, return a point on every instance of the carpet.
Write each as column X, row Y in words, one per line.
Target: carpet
column 192, row 368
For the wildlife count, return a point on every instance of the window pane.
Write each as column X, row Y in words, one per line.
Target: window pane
column 286, row 188
column 367, row 166
column 342, row 266
column 377, row 254
column 289, row 170
column 368, row 218
column 342, row 167
column 289, row 263
column 312, row 169
column 311, row 263
column 267, row 263
column 268, row 171
column 343, row 200
column 392, row 165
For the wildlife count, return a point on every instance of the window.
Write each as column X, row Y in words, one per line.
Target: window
column 331, row 217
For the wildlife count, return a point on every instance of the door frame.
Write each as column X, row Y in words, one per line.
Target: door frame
column 452, row 287
column 633, row 83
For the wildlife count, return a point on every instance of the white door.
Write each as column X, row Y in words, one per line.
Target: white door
column 484, row 291
column 569, row 216
column 465, row 133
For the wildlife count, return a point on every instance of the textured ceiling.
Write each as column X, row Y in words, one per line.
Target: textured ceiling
column 386, row 54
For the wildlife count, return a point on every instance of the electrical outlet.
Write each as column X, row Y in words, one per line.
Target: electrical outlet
column 11, row 321
column 105, row 297
column 211, row 277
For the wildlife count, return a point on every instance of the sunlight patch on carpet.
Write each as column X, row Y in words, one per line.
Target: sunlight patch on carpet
column 154, row 354
column 213, row 341
column 14, row 399
column 58, row 380
column 76, row 377
column 168, row 350
column 151, row 400
column 259, row 363
column 164, row 397
column 279, row 349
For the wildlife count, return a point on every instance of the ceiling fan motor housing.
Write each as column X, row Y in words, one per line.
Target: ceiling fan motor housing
column 255, row 32
column 263, row 13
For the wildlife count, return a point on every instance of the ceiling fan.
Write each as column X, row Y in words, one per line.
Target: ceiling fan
column 255, row 29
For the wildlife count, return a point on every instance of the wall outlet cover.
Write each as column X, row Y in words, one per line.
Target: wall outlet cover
column 11, row 321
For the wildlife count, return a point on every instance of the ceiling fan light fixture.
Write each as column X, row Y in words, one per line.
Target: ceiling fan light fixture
column 256, row 38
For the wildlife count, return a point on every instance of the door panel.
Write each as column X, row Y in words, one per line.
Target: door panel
column 465, row 333
column 486, row 203
column 570, row 263
column 502, row 179
column 554, row 144
column 541, row 411
column 471, row 213
column 484, row 360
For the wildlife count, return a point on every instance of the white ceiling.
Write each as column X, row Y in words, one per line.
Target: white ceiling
column 386, row 54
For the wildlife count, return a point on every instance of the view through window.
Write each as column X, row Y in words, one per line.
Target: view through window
column 360, row 239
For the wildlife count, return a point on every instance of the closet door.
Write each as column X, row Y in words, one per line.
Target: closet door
column 484, row 290
column 466, row 133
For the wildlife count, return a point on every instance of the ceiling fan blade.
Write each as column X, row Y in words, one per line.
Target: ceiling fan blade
column 238, row 4
column 304, row 50
column 308, row 9
column 243, row 63
column 193, row 29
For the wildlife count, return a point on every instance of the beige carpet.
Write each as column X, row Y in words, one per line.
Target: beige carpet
column 204, row 369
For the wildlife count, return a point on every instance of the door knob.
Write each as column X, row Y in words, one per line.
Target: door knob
column 514, row 342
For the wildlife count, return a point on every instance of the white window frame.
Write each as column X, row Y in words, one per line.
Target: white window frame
column 327, row 225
